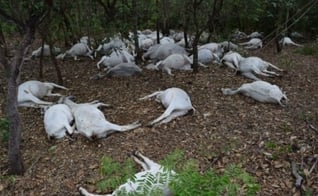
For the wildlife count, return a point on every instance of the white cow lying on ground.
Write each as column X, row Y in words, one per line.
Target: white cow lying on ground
column 261, row 91
column 31, row 92
column 115, row 58
column 232, row 60
column 250, row 65
column 91, row 122
column 286, row 41
column 255, row 34
column 175, row 61
column 58, row 120
column 46, row 51
column 227, row 45
column 254, row 43
column 152, row 170
column 114, row 43
column 214, row 48
column 176, row 101
column 159, row 52
column 120, row 70
column 79, row 49
column 205, row 56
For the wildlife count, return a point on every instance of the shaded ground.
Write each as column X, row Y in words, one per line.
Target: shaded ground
column 263, row 138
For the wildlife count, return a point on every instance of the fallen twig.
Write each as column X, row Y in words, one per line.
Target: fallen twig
column 313, row 128
column 313, row 166
column 299, row 178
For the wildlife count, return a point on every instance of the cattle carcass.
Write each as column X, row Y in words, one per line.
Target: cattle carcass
column 31, row 92
column 175, row 61
column 252, row 44
column 159, row 52
column 261, row 91
column 176, row 101
column 91, row 122
column 250, row 65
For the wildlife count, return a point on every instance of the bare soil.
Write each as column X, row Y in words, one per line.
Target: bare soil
column 263, row 138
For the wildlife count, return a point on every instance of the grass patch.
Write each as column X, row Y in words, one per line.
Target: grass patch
column 308, row 50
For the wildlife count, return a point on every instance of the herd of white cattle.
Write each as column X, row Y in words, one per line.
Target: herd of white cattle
column 67, row 117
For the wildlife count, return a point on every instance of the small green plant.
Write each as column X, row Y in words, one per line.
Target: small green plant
column 7, row 180
column 270, row 145
column 277, row 150
column 4, row 129
column 114, row 174
column 234, row 181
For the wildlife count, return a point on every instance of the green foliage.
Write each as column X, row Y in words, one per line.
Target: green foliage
column 308, row 50
column 114, row 173
column 189, row 180
column 4, row 129
column 277, row 150
column 234, row 181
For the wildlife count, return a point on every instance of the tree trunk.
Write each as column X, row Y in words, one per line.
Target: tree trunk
column 14, row 154
column 135, row 28
column 165, row 26
column 56, row 66
column 195, row 65
column 41, row 60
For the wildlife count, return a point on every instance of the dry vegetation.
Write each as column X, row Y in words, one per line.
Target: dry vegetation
column 262, row 138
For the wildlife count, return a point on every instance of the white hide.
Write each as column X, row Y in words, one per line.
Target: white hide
column 124, row 70
column 214, row 48
column 238, row 35
column 167, row 40
column 31, row 92
column 232, row 60
column 205, row 56
column 159, row 52
column 229, row 46
column 175, row 61
column 114, row 43
column 150, row 169
column 145, row 43
column 255, row 35
column 250, row 65
column 176, row 101
column 261, row 91
column 79, row 49
column 286, row 41
column 115, row 58
column 46, row 51
column 254, row 43
column 91, row 122
column 120, row 70
column 57, row 121
column 86, row 40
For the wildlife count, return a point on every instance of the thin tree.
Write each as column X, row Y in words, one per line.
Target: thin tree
column 13, row 69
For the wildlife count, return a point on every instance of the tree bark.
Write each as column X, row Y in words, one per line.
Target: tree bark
column 13, row 69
